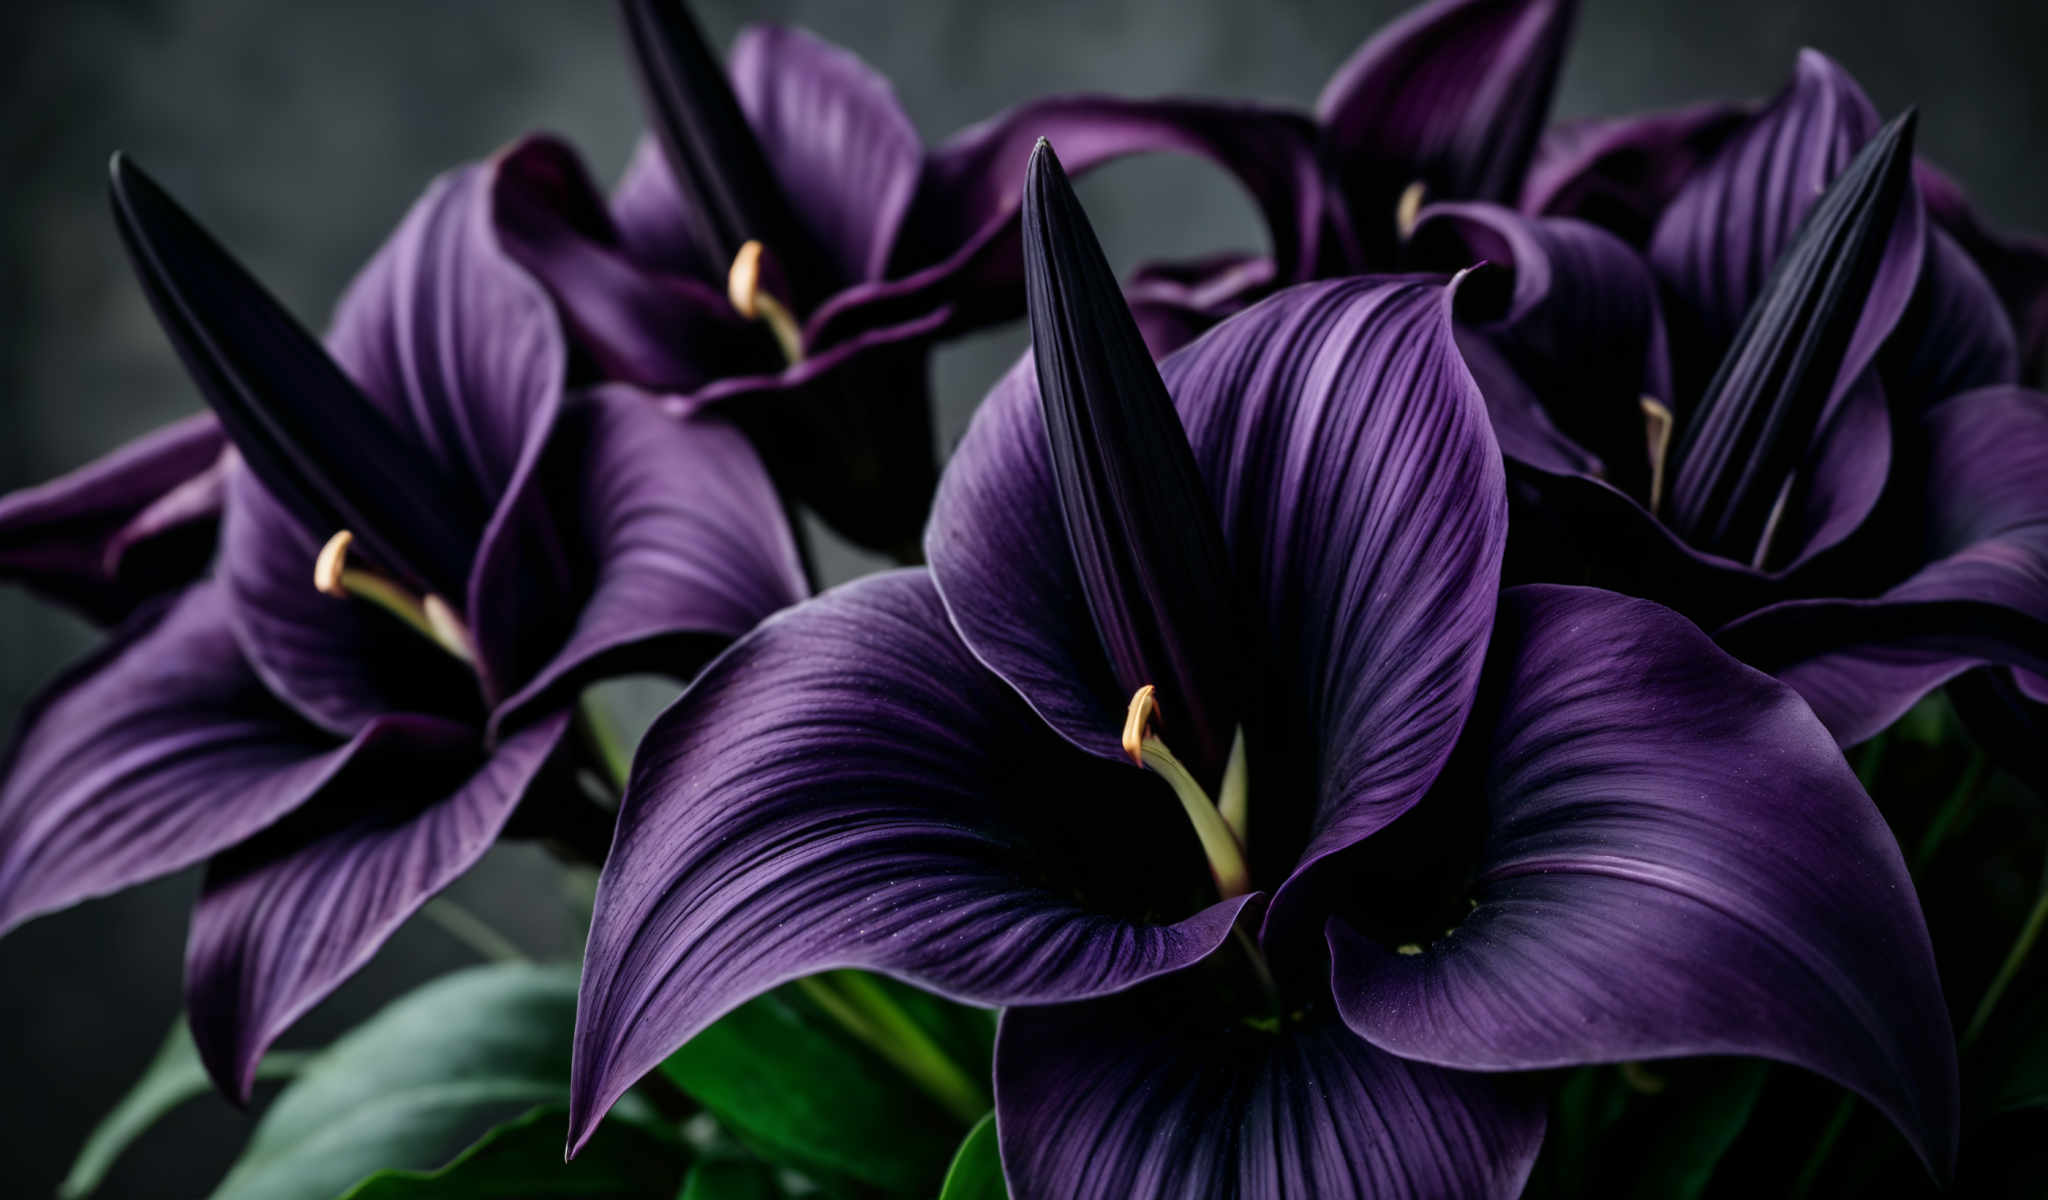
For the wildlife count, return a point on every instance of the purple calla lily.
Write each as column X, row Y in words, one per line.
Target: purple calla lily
column 784, row 248
column 1801, row 401
column 1456, row 831
column 1446, row 103
column 429, row 546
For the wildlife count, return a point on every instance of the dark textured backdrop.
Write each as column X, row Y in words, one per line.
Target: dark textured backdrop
column 299, row 132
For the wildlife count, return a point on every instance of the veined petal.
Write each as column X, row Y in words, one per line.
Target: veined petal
column 844, row 149
column 1619, row 173
column 1152, row 564
column 1126, row 1097
column 1815, row 325
column 1581, row 325
column 638, row 317
column 679, row 545
column 2016, row 264
column 330, row 456
column 1955, row 336
column 1677, row 861
column 730, row 193
column 1718, row 239
column 1348, row 455
column 959, row 250
column 284, row 918
column 1360, row 488
column 161, row 749
column 847, row 787
column 123, row 529
column 1453, row 95
column 454, row 340
column 1973, row 474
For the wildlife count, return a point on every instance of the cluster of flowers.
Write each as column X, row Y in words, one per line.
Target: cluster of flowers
column 1324, row 683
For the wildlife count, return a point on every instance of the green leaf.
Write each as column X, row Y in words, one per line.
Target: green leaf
column 1697, row 1121
column 523, row 1159
column 801, row 1093
column 730, row 1180
column 977, row 1172
column 417, row 1082
column 172, row 1077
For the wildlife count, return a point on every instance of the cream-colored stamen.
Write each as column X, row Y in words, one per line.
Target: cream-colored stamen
column 333, row 560
column 431, row 617
column 1409, row 208
column 1657, row 424
column 756, row 303
column 1219, row 842
column 1138, row 722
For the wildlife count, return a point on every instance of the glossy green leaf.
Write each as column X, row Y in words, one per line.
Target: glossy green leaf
column 522, row 1159
column 799, row 1091
column 172, row 1077
column 417, row 1082
column 729, row 1180
column 977, row 1172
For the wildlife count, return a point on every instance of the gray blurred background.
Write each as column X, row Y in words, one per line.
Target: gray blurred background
column 300, row 132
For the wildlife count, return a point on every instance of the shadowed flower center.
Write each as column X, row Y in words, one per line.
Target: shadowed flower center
column 427, row 615
column 1219, row 822
column 753, row 300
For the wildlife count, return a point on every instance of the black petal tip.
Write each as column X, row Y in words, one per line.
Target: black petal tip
column 302, row 427
column 1139, row 520
column 1757, row 416
column 731, row 194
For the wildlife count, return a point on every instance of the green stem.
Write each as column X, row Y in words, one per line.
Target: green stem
column 2015, row 958
column 1823, row 1146
column 859, row 1004
column 1951, row 811
column 472, row 931
column 1219, row 844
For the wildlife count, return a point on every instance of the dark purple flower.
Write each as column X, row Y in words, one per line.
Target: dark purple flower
column 422, row 562
column 1397, row 831
column 785, row 249
column 1620, row 173
column 1798, row 399
column 1446, row 103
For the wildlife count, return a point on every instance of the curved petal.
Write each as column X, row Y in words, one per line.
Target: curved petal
column 1174, row 303
column 1717, row 242
column 339, row 662
column 1955, row 336
column 1128, row 1097
column 1841, row 481
column 159, row 750
column 2016, row 264
column 447, row 334
column 1619, row 173
column 284, row 918
column 1454, row 95
column 679, row 539
column 646, row 207
column 847, row 787
column 113, row 534
column 1347, row 451
column 845, row 151
column 639, row 317
column 1581, row 324
column 1974, row 482
column 1677, row 861
column 1520, row 423
column 959, row 248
